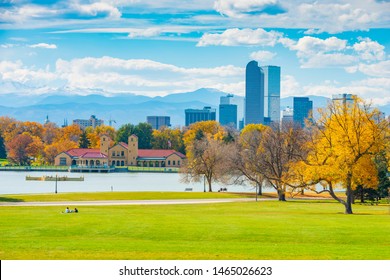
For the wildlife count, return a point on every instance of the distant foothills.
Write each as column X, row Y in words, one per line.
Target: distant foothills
column 123, row 108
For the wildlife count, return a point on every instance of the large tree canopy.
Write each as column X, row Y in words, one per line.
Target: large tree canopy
column 342, row 147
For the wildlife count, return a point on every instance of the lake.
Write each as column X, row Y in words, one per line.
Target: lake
column 14, row 182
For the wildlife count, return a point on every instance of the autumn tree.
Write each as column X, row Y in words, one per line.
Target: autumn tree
column 280, row 147
column 50, row 132
column 208, row 161
column 342, row 147
column 18, row 149
column 167, row 138
column 246, row 157
column 206, row 152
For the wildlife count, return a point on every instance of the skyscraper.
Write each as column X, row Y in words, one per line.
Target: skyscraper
column 227, row 111
column 272, row 92
column 198, row 115
column 254, row 93
column 158, row 121
column 303, row 108
column 344, row 98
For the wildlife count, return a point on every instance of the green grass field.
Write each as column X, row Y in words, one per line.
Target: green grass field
column 242, row 230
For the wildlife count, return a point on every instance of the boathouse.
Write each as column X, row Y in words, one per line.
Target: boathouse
column 121, row 154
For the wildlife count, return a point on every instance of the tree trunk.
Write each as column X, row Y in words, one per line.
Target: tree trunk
column 348, row 204
column 209, row 182
column 281, row 195
column 259, row 190
column 362, row 195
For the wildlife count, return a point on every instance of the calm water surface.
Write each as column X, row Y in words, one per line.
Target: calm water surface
column 15, row 183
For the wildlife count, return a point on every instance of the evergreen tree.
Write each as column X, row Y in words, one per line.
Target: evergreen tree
column 84, row 141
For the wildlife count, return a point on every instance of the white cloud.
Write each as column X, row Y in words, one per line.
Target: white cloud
column 44, row 46
column 380, row 69
column 7, row 46
column 262, row 55
column 236, row 37
column 325, row 60
column 309, row 45
column 369, row 50
column 96, row 8
column 110, row 74
column 238, row 9
column 146, row 32
column 290, row 86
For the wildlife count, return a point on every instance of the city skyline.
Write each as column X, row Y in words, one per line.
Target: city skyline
column 156, row 48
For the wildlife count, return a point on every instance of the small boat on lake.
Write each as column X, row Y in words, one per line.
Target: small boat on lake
column 54, row 178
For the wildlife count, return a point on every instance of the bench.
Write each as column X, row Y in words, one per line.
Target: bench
column 188, row 189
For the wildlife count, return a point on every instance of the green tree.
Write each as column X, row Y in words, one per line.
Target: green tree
column 144, row 132
column 123, row 133
column 84, row 141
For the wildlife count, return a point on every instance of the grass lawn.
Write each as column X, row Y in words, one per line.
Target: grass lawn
column 242, row 230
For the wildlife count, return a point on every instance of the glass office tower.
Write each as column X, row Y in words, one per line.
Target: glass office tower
column 272, row 92
column 303, row 108
column 254, row 94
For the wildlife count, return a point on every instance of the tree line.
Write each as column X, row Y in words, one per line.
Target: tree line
column 31, row 143
column 346, row 148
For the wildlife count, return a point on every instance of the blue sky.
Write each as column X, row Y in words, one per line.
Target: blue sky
column 160, row 47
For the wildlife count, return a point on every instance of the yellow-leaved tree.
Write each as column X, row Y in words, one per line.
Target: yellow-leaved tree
column 206, row 153
column 341, row 149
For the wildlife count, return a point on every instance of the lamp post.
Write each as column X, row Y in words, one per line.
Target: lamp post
column 56, row 184
column 256, row 191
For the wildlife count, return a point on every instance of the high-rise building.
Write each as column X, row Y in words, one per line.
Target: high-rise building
column 343, row 98
column 272, row 92
column 158, row 121
column 227, row 111
column 198, row 115
column 93, row 122
column 303, row 108
column 254, row 93
column 287, row 116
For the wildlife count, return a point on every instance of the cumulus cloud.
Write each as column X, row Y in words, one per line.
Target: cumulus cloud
column 369, row 50
column 236, row 37
column 262, row 55
column 308, row 45
column 43, row 46
column 380, row 69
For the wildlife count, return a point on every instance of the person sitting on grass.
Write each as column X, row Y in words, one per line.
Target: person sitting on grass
column 67, row 210
column 75, row 210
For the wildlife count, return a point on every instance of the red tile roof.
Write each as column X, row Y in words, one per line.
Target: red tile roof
column 78, row 152
column 145, row 153
column 93, row 155
column 123, row 144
